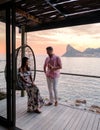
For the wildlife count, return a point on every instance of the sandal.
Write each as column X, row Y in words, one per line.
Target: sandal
column 37, row 111
column 48, row 104
column 56, row 103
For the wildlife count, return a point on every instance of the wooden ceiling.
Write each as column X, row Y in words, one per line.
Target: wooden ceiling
column 48, row 14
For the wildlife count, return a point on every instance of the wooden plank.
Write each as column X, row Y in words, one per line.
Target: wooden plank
column 37, row 118
column 61, row 123
column 3, row 108
column 76, row 121
column 44, row 121
column 40, row 122
column 95, row 124
column 2, row 128
column 53, row 120
column 69, row 125
column 24, row 123
column 98, row 128
column 82, row 120
column 90, row 124
column 21, row 107
column 85, row 125
column 60, row 119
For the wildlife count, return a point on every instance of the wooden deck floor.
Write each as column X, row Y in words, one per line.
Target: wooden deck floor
column 2, row 128
column 56, row 118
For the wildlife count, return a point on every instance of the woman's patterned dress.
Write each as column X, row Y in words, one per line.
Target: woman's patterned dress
column 34, row 99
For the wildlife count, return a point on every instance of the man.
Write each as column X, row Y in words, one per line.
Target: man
column 52, row 68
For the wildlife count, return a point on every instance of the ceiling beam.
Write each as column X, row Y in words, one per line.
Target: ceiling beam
column 54, row 7
column 27, row 15
column 93, row 17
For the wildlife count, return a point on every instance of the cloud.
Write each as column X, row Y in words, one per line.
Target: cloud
column 62, row 34
column 79, row 37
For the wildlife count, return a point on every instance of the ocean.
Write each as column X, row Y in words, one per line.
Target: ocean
column 70, row 88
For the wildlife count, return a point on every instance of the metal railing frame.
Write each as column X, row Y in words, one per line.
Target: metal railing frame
column 72, row 74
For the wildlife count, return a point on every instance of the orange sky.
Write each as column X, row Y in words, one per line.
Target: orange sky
column 80, row 37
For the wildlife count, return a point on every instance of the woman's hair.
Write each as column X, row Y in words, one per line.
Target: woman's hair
column 24, row 60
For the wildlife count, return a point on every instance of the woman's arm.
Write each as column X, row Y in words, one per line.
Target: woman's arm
column 31, row 79
column 23, row 79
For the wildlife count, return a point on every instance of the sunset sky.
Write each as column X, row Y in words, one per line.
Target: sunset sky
column 80, row 37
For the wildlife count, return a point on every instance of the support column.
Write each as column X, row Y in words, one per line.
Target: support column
column 23, row 42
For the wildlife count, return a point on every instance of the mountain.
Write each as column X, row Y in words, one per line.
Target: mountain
column 89, row 52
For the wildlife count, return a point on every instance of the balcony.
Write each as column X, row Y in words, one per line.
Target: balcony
column 65, row 116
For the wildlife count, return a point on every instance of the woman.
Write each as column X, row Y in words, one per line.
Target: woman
column 34, row 99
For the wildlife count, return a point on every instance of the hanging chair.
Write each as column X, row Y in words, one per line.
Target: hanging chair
column 28, row 52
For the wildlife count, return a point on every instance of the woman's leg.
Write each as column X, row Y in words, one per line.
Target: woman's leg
column 36, row 99
column 34, row 93
column 29, row 102
column 33, row 98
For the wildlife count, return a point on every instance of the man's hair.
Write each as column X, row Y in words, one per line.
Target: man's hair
column 49, row 48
